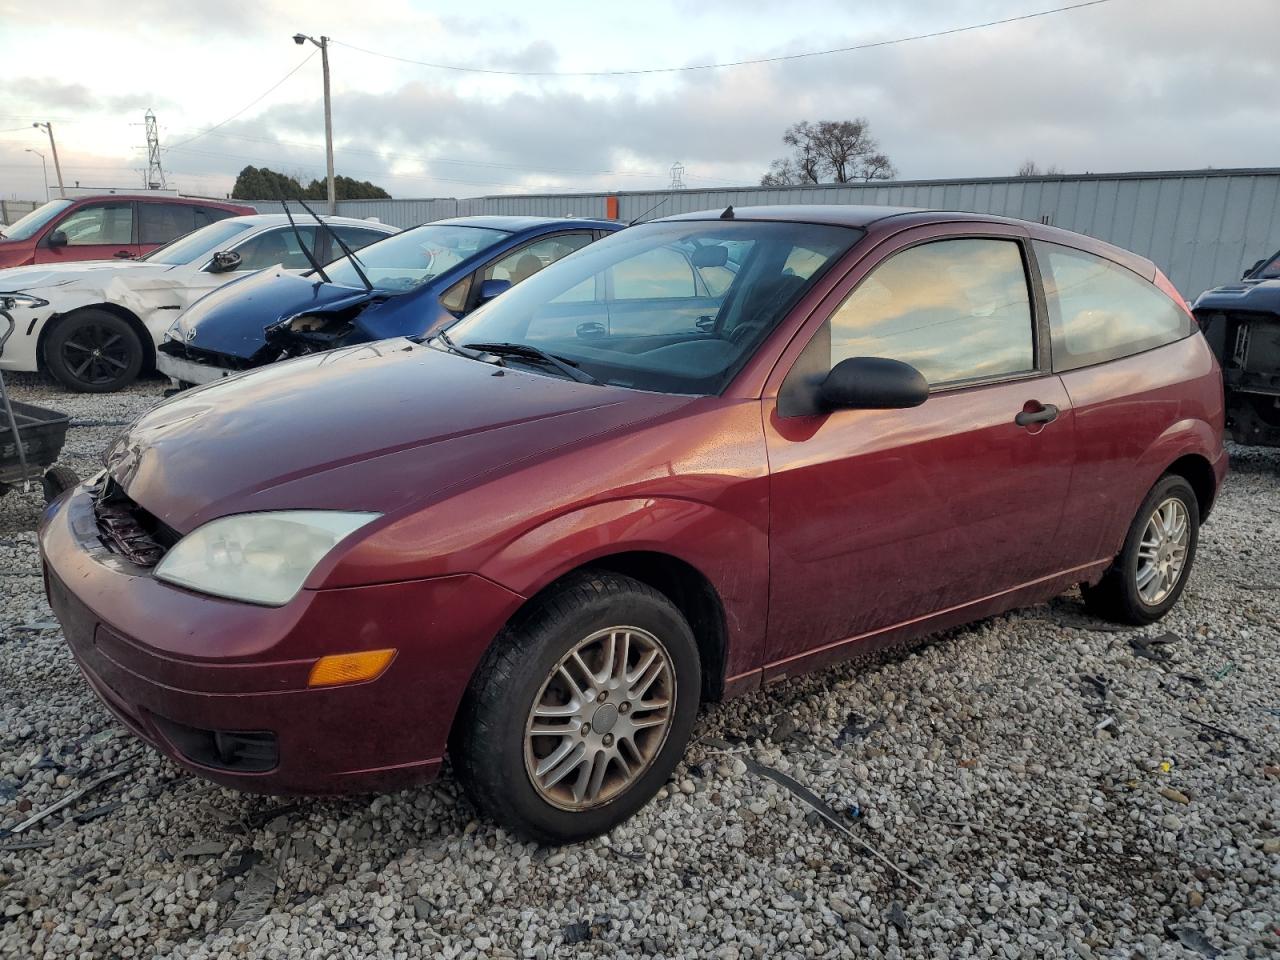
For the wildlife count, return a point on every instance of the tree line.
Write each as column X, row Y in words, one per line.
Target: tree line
column 262, row 183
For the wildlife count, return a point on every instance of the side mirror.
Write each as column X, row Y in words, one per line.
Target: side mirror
column 57, row 238
column 1256, row 265
column 873, row 383
column 224, row 261
column 491, row 289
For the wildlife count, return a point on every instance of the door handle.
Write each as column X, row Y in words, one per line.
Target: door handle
column 1046, row 414
column 123, row 254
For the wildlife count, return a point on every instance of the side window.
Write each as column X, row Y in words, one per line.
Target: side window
column 355, row 238
column 105, row 223
column 207, row 215
column 162, row 222
column 953, row 309
column 523, row 263
column 276, row 246
column 1100, row 311
column 455, row 298
column 657, row 274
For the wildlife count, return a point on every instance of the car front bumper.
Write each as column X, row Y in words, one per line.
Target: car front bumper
column 21, row 351
column 221, row 687
column 182, row 371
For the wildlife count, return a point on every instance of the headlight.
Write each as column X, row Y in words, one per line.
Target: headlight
column 10, row 300
column 257, row 557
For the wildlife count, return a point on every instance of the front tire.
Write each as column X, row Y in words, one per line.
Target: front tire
column 580, row 710
column 94, row 351
column 1153, row 567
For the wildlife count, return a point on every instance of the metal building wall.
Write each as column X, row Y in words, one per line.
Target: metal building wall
column 1201, row 227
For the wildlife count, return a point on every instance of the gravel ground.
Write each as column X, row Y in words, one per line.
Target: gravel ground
column 1036, row 785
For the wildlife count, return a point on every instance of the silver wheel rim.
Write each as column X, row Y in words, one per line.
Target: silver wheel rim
column 600, row 718
column 1162, row 554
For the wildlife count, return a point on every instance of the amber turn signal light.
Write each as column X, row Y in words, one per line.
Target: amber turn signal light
column 349, row 667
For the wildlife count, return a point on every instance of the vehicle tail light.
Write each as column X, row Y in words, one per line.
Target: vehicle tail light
column 1169, row 290
column 343, row 668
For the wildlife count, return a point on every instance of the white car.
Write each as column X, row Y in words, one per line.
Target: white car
column 94, row 324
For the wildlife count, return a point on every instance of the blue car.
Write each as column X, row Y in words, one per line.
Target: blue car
column 407, row 285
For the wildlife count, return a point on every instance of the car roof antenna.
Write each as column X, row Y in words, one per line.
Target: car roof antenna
column 728, row 213
column 306, row 251
column 632, row 223
column 355, row 261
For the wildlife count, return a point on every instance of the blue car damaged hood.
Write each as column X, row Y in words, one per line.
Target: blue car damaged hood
column 1257, row 296
column 235, row 320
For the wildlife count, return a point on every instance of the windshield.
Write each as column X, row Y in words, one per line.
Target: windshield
column 199, row 244
column 34, row 221
column 410, row 259
column 674, row 307
column 1269, row 270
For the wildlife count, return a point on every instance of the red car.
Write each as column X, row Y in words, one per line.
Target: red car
column 698, row 456
column 102, row 227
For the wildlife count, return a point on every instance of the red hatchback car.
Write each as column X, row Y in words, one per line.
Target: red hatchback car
column 699, row 455
column 103, row 227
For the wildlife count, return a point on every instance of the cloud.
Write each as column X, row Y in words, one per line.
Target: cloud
column 1108, row 88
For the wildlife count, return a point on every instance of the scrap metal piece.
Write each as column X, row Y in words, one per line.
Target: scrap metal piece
column 69, row 799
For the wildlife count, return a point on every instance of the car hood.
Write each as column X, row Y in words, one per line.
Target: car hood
column 379, row 427
column 1261, row 296
column 59, row 274
column 233, row 319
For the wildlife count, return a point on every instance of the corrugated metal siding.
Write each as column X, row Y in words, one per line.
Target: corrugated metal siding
column 1201, row 227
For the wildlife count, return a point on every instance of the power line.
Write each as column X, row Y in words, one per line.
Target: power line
column 253, row 102
column 732, row 63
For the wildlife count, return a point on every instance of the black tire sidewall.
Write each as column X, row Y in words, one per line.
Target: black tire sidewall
column 1134, row 606
column 68, row 326
column 543, row 639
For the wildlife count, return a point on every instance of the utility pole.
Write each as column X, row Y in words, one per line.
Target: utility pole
column 677, row 176
column 62, row 191
column 45, row 169
column 323, row 44
column 155, row 173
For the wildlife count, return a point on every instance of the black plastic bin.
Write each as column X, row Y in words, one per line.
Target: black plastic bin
column 41, row 433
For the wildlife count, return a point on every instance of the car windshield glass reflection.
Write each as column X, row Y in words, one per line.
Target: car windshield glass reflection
column 410, row 259
column 196, row 246
column 33, row 222
column 674, row 307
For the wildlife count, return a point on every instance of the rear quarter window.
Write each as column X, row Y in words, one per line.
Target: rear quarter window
column 1100, row 311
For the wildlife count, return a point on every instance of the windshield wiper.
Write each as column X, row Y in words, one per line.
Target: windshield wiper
column 306, row 252
column 454, row 348
column 355, row 261
column 524, row 350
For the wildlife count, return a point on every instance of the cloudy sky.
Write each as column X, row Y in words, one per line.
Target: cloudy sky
column 1123, row 85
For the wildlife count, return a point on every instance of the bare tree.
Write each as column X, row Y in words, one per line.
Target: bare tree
column 839, row 150
column 1029, row 168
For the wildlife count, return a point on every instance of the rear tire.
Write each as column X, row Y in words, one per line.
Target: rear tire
column 1153, row 567
column 531, row 703
column 94, row 351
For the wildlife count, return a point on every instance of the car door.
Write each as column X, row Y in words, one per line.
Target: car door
column 279, row 245
column 883, row 517
column 96, row 231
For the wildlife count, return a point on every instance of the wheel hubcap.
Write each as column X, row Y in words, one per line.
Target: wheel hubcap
column 95, row 353
column 600, row 718
column 1162, row 554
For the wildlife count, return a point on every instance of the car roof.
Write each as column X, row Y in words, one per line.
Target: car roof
column 841, row 215
column 158, row 198
column 518, row 224
column 273, row 219
column 866, row 216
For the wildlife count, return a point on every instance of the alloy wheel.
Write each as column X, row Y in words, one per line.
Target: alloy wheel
column 95, row 354
column 600, row 718
column 1162, row 554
